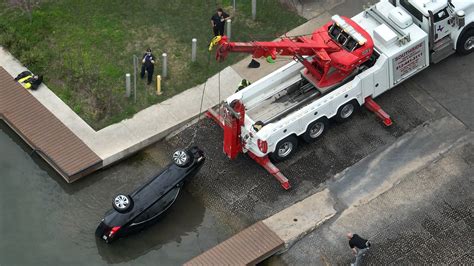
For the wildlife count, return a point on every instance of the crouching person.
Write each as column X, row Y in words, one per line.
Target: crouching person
column 28, row 80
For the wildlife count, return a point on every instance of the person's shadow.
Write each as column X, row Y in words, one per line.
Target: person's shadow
column 185, row 216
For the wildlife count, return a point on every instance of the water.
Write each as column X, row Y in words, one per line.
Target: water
column 45, row 221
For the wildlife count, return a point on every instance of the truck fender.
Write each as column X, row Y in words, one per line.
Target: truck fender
column 355, row 100
column 466, row 28
column 316, row 119
column 273, row 146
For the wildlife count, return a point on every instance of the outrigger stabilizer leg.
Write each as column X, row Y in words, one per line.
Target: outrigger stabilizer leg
column 374, row 107
column 272, row 169
column 262, row 161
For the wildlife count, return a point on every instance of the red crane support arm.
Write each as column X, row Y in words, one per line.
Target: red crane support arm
column 286, row 47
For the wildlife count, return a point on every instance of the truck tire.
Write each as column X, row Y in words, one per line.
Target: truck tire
column 346, row 111
column 315, row 130
column 284, row 149
column 466, row 43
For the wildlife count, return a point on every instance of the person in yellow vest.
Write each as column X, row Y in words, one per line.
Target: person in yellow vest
column 28, row 80
column 244, row 83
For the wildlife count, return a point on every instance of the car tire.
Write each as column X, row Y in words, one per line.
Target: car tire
column 122, row 203
column 181, row 158
column 284, row 149
column 346, row 111
column 315, row 130
column 466, row 43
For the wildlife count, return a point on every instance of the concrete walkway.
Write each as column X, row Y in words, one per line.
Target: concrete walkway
column 147, row 126
column 152, row 124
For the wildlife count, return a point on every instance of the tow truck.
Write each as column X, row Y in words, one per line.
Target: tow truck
column 343, row 65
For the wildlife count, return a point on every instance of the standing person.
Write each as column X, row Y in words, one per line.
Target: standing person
column 359, row 246
column 148, row 65
column 218, row 22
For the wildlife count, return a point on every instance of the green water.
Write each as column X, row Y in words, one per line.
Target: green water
column 45, row 221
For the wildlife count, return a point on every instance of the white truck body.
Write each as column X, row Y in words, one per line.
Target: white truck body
column 402, row 52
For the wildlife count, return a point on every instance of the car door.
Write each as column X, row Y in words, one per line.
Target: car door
column 157, row 208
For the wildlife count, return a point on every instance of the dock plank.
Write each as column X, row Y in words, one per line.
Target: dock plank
column 44, row 132
column 248, row 247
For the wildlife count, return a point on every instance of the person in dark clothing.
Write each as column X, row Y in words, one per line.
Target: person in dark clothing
column 148, row 65
column 28, row 80
column 359, row 246
column 218, row 22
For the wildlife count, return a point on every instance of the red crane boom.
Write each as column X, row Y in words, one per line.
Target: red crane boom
column 330, row 55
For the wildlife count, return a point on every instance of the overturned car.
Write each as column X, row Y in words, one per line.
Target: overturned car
column 132, row 213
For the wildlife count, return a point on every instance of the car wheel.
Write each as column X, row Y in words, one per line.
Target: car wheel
column 315, row 130
column 181, row 158
column 466, row 43
column 285, row 148
column 346, row 111
column 122, row 203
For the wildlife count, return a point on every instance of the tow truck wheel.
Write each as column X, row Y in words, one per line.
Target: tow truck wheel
column 346, row 111
column 315, row 130
column 284, row 149
column 466, row 43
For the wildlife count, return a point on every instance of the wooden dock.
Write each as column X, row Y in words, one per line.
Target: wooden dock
column 249, row 247
column 43, row 132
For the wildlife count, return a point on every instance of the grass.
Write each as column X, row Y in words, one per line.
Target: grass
column 84, row 48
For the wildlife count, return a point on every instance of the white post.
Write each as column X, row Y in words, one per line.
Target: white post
column 233, row 4
column 193, row 49
column 254, row 9
column 164, row 72
column 229, row 25
column 127, row 85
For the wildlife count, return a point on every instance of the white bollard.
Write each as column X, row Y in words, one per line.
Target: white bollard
column 229, row 25
column 254, row 9
column 164, row 72
column 193, row 49
column 233, row 4
column 127, row 85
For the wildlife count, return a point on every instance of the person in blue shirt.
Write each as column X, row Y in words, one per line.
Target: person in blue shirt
column 148, row 65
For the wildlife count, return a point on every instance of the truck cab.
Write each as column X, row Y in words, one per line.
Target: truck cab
column 449, row 24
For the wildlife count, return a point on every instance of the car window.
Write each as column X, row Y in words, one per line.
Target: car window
column 441, row 15
column 351, row 45
column 343, row 38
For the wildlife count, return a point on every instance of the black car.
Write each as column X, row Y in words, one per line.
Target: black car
column 143, row 207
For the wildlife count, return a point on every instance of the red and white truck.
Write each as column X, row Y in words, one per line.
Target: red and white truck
column 340, row 67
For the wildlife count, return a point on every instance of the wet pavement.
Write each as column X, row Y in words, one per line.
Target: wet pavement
column 44, row 221
column 426, row 217
column 245, row 192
